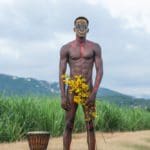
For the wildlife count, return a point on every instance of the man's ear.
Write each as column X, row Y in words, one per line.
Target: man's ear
column 74, row 29
column 87, row 30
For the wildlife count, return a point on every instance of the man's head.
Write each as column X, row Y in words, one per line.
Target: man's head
column 81, row 26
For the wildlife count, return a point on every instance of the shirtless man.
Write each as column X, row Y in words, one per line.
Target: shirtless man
column 81, row 54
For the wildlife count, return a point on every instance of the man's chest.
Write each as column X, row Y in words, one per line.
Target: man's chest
column 81, row 52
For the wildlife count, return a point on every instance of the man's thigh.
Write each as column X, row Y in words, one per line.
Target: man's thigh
column 73, row 108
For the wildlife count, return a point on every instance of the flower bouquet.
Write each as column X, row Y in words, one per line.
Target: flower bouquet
column 80, row 89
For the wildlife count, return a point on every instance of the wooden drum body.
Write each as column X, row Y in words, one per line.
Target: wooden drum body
column 38, row 140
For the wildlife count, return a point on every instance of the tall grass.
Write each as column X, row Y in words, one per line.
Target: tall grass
column 18, row 115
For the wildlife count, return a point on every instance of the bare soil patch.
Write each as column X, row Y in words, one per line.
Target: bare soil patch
column 139, row 140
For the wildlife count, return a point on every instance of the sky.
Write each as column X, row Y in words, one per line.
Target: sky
column 33, row 31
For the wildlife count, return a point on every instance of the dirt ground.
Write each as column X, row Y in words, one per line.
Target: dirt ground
column 139, row 140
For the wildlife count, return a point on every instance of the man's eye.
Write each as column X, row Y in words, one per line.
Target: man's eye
column 77, row 26
column 81, row 26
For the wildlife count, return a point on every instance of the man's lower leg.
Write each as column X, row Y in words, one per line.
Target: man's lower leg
column 91, row 140
column 67, row 137
column 91, row 136
column 67, row 140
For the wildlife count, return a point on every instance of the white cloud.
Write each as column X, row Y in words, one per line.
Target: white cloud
column 135, row 91
column 6, row 1
column 63, row 37
column 7, row 52
column 133, row 13
column 131, row 47
column 39, row 59
column 33, row 31
column 92, row 2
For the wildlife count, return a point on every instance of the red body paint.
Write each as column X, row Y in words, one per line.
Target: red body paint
column 81, row 50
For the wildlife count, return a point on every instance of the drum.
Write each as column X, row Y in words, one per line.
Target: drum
column 38, row 140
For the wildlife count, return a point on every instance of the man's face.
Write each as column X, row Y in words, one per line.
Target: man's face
column 81, row 27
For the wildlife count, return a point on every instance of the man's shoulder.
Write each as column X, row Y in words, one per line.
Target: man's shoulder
column 94, row 44
column 68, row 45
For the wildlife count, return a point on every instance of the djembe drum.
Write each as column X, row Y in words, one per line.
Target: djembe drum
column 38, row 140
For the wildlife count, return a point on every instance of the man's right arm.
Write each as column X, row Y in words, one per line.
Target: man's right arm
column 62, row 69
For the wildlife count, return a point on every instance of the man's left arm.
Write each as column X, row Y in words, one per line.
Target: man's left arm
column 99, row 73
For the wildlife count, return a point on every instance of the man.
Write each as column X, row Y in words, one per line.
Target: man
column 81, row 54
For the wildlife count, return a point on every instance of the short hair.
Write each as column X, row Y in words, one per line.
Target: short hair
column 81, row 17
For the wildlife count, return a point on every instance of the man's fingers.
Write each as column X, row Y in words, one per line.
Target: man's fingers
column 63, row 106
column 66, row 107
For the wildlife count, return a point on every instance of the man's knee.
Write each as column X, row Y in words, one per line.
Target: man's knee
column 90, row 126
column 69, row 125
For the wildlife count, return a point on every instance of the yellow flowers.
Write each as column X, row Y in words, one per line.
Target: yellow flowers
column 80, row 89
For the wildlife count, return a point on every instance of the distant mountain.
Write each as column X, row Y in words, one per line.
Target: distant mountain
column 13, row 85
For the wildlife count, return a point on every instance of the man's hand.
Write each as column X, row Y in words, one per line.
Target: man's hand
column 65, row 104
column 91, row 100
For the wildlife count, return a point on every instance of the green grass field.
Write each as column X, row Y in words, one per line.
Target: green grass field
column 18, row 115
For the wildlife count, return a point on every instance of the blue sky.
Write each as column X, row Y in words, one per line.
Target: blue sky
column 33, row 31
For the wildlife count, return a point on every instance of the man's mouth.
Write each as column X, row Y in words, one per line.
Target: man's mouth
column 81, row 32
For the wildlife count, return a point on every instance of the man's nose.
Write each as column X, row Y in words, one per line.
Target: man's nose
column 82, row 29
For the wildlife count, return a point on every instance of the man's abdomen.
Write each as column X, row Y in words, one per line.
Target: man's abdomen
column 84, row 68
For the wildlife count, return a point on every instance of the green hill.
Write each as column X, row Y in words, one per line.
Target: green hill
column 12, row 85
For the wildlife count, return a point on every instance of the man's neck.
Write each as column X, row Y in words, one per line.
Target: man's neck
column 80, row 39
